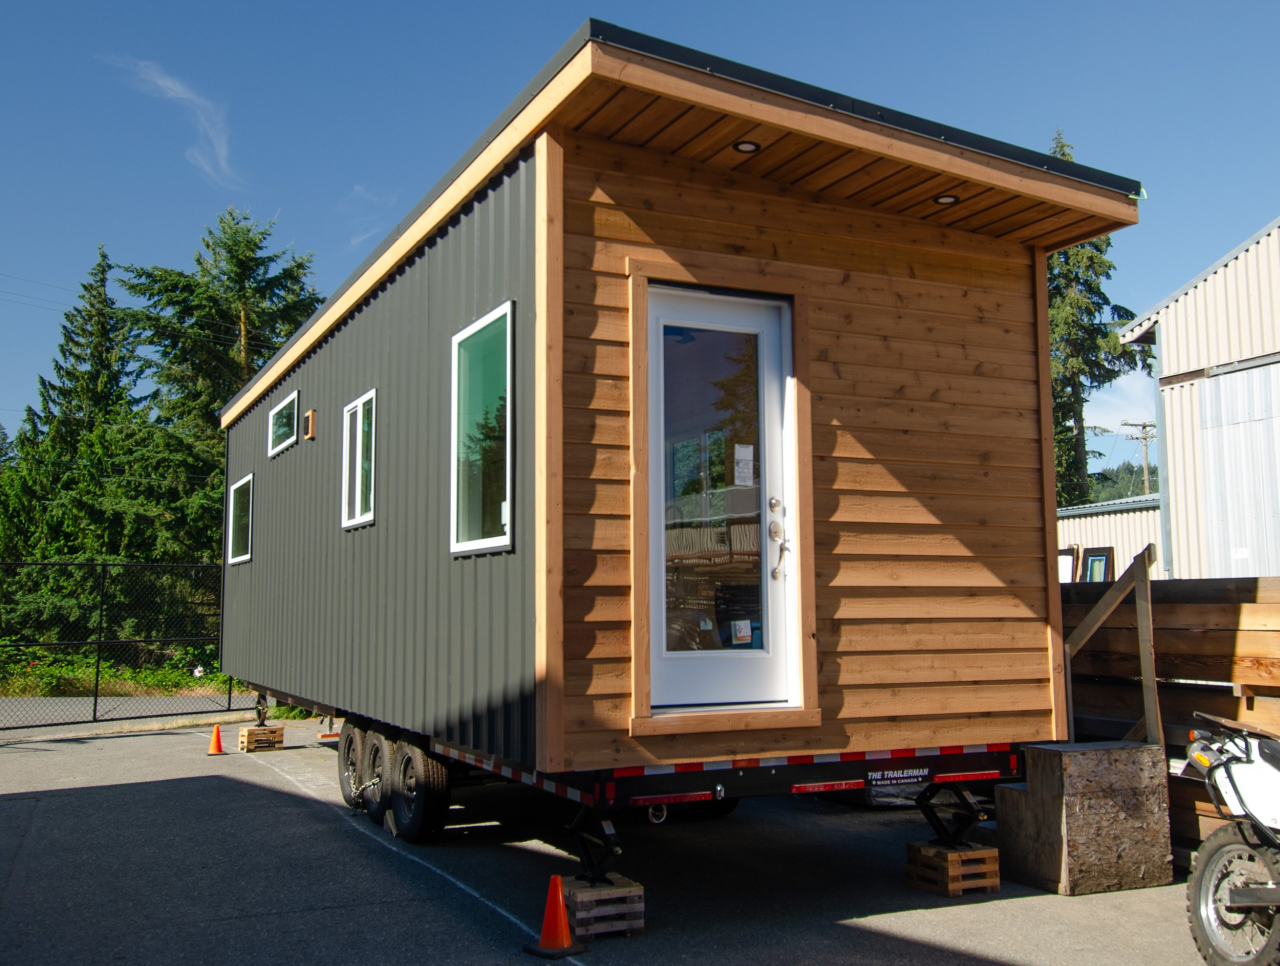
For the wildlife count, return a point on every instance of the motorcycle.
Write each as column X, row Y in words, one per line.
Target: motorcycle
column 1234, row 889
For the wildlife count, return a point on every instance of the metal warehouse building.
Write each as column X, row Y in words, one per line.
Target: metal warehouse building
column 1218, row 348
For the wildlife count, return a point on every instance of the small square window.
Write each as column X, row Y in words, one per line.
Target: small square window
column 282, row 424
column 480, row 463
column 240, row 521
column 357, row 460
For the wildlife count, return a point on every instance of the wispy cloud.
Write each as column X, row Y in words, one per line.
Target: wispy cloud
column 210, row 154
column 367, row 212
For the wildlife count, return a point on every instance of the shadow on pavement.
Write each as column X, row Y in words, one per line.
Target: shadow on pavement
column 214, row 869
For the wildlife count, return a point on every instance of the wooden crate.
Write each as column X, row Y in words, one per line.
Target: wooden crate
column 267, row 738
column 953, row 872
column 598, row 909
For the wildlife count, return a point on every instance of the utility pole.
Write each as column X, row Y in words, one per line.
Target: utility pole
column 1147, row 434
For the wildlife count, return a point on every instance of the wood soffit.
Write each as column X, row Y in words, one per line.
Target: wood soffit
column 644, row 102
column 623, row 97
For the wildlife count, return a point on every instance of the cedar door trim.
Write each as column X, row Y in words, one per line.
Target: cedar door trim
column 549, row 449
column 1059, row 665
column 643, row 722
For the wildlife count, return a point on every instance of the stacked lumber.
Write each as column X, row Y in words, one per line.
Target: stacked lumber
column 266, row 738
column 953, row 871
column 617, row 906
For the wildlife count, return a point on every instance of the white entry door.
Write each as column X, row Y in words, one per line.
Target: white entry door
column 721, row 479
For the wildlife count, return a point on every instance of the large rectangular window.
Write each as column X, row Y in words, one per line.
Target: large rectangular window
column 240, row 521
column 357, row 460
column 282, row 424
column 480, row 485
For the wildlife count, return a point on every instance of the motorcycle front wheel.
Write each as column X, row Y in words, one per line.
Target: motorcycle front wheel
column 1231, row 858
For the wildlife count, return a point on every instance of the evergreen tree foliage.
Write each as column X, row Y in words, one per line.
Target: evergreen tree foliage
column 64, row 493
column 1120, row 481
column 208, row 330
column 1086, row 353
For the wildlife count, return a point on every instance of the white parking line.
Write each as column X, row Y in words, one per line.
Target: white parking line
column 384, row 840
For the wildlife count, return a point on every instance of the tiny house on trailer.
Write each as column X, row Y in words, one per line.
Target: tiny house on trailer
column 690, row 439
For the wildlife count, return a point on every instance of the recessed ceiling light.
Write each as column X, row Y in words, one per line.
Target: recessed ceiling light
column 947, row 199
column 747, row 147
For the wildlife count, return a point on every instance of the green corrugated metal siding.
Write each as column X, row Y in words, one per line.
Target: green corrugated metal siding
column 381, row 620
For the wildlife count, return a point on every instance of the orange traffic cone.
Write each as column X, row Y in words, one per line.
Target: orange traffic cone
column 215, row 742
column 556, row 941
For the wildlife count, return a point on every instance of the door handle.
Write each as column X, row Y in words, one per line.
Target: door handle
column 776, row 573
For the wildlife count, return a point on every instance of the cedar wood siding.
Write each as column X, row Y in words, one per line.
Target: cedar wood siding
column 381, row 620
column 930, row 543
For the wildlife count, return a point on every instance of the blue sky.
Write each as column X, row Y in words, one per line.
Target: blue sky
column 133, row 125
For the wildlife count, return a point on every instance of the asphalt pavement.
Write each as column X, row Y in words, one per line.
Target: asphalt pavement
column 139, row 848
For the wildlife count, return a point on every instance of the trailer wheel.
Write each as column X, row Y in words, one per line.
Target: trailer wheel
column 717, row 808
column 376, row 764
column 419, row 793
column 350, row 758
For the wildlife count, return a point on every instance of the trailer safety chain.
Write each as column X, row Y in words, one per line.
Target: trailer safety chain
column 357, row 794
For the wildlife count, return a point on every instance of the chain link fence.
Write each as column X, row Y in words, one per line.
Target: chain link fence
column 84, row 642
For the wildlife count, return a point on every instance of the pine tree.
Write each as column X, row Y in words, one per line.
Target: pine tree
column 1086, row 353
column 63, row 494
column 209, row 330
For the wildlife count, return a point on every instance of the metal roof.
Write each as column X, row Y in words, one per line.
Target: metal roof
column 1143, row 502
column 606, row 33
column 1146, row 321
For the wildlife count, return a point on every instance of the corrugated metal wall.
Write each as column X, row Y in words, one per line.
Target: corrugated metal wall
column 1127, row 531
column 1183, row 479
column 1240, row 418
column 381, row 620
column 1228, row 315
column 1231, row 314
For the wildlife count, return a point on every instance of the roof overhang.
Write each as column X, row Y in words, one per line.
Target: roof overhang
column 613, row 84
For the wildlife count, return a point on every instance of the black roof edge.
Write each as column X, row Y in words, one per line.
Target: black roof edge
column 607, row 33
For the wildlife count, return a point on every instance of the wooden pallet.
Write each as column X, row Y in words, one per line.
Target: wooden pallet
column 952, row 872
column 268, row 738
column 598, row 909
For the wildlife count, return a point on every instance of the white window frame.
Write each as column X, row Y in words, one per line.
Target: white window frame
column 231, row 504
column 271, row 419
column 487, row 543
column 360, row 519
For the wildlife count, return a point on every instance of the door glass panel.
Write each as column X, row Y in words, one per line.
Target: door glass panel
column 711, row 441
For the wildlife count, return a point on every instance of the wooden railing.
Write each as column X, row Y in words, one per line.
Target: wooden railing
column 1207, row 645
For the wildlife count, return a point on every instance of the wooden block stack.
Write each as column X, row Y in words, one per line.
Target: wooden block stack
column 267, row 738
column 598, row 909
column 1090, row 818
column 953, row 872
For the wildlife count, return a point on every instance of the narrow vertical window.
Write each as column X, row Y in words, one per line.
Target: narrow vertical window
column 358, row 421
column 282, row 424
column 480, row 484
column 240, row 521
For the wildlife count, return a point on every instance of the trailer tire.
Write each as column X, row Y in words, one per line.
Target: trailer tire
column 350, row 762
column 717, row 808
column 376, row 763
column 419, row 794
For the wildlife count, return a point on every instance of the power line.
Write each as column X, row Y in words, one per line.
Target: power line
column 19, row 278
column 37, row 297
column 29, row 305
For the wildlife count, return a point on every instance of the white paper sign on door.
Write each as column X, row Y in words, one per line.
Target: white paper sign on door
column 744, row 459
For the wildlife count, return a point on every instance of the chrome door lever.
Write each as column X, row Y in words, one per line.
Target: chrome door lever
column 776, row 573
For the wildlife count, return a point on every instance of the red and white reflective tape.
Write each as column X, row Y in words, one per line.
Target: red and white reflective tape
column 515, row 774
column 639, row 770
